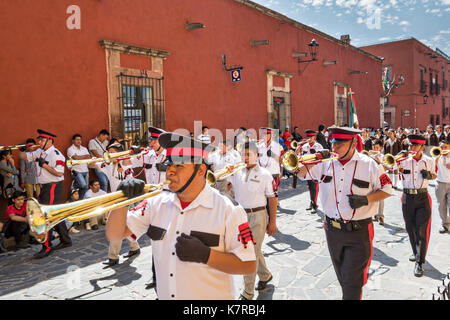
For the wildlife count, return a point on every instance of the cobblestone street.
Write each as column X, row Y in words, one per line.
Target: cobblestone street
column 297, row 255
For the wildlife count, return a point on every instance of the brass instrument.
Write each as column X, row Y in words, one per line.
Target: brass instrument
column 291, row 160
column 18, row 146
column 107, row 157
column 436, row 152
column 42, row 218
column 219, row 175
column 294, row 144
column 389, row 160
column 370, row 153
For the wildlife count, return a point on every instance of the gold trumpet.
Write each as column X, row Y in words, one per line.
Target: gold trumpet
column 389, row 160
column 370, row 153
column 294, row 144
column 42, row 218
column 219, row 175
column 291, row 160
column 436, row 152
column 107, row 157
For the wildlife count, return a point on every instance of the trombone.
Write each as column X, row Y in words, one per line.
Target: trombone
column 219, row 175
column 291, row 160
column 436, row 152
column 107, row 158
column 18, row 146
column 42, row 218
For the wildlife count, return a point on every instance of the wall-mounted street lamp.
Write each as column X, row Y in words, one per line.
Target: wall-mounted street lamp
column 194, row 25
column 313, row 47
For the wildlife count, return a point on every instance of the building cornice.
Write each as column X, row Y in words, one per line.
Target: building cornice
column 132, row 49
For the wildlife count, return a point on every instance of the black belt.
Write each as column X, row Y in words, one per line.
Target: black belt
column 254, row 209
column 348, row 226
column 415, row 191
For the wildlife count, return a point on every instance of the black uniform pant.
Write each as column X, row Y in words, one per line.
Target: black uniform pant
column 417, row 215
column 351, row 254
column 313, row 189
column 51, row 194
column 16, row 229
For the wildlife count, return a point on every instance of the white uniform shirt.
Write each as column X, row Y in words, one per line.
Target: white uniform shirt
column 205, row 138
column 152, row 175
column 308, row 149
column 236, row 155
column 212, row 214
column 269, row 162
column 74, row 151
column 443, row 174
column 252, row 187
column 94, row 144
column 90, row 194
column 412, row 178
column 337, row 181
column 220, row 161
column 55, row 160
column 114, row 174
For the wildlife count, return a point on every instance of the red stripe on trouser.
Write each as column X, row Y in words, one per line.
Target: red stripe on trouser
column 371, row 233
column 52, row 199
column 317, row 192
column 429, row 224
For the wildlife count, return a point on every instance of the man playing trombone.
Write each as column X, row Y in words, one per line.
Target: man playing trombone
column 350, row 188
column 199, row 238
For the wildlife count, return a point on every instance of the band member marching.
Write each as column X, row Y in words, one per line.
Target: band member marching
column 50, row 173
column 199, row 238
column 378, row 157
column 416, row 202
column 443, row 184
column 269, row 151
column 154, row 159
column 117, row 171
column 393, row 146
column 350, row 188
column 221, row 159
column 311, row 147
column 253, row 188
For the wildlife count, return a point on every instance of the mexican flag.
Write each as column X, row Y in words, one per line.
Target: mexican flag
column 353, row 117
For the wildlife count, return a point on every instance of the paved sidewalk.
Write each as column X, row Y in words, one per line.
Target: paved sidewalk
column 297, row 255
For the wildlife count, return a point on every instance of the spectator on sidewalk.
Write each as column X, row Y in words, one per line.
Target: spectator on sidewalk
column 94, row 191
column 16, row 223
column 80, row 172
column 74, row 195
column 97, row 147
column 28, row 174
column 10, row 175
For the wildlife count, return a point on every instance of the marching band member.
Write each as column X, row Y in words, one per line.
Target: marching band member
column 416, row 202
column 269, row 151
column 154, row 158
column 218, row 161
column 199, row 238
column 50, row 173
column 253, row 187
column 311, row 147
column 116, row 172
column 350, row 188
column 393, row 146
column 378, row 147
column 443, row 185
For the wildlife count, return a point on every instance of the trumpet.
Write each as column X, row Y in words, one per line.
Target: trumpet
column 370, row 153
column 389, row 160
column 291, row 160
column 436, row 152
column 107, row 157
column 42, row 218
column 219, row 175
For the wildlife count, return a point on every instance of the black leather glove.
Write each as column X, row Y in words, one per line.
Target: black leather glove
column 132, row 187
column 426, row 174
column 161, row 167
column 269, row 153
column 41, row 162
column 23, row 149
column 191, row 249
column 357, row 201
